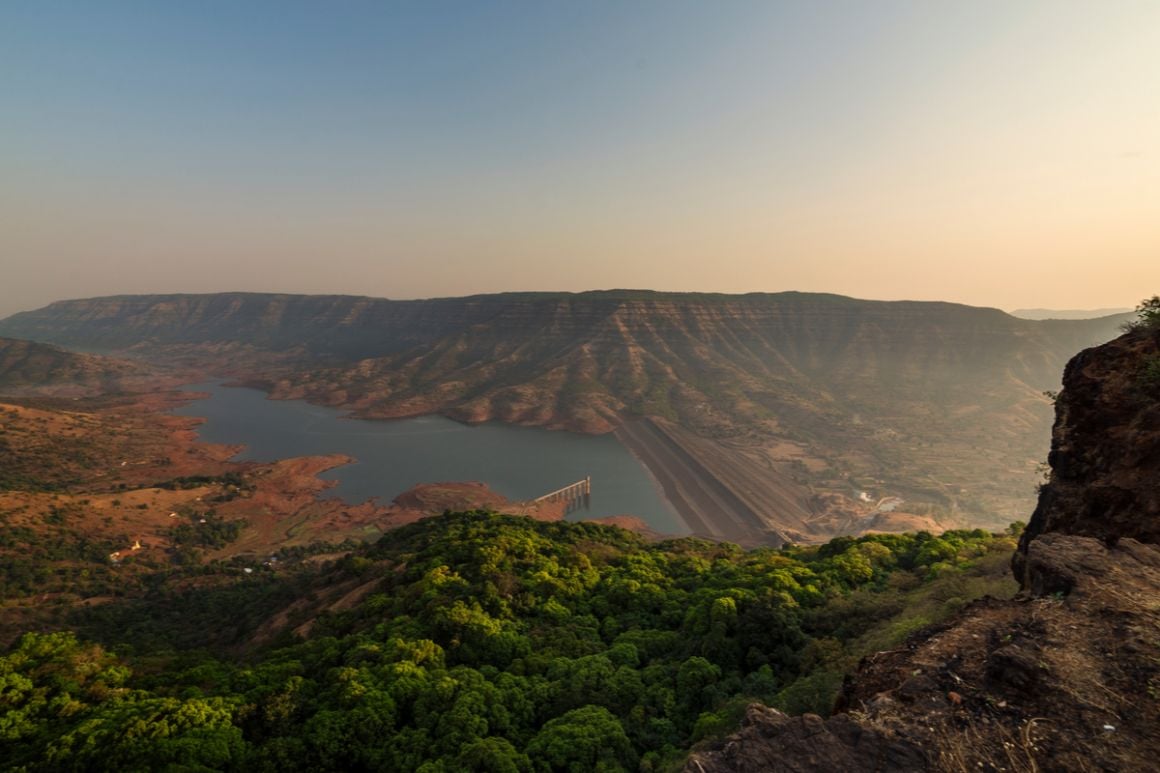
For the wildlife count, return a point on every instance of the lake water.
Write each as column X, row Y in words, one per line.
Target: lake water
column 518, row 462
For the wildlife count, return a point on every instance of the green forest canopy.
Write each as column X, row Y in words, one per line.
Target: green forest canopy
column 488, row 643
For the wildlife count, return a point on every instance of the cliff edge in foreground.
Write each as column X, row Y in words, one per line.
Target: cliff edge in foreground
column 1064, row 677
column 1105, row 448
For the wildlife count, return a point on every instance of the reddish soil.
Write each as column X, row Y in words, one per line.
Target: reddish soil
column 131, row 444
column 429, row 499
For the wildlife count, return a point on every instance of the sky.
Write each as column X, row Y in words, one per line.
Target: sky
column 998, row 153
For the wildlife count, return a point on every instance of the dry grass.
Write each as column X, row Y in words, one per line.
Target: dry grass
column 990, row 747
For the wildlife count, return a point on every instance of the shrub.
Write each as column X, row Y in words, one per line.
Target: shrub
column 1149, row 375
column 1147, row 315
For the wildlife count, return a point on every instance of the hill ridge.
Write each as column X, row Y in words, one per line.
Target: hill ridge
column 28, row 366
column 830, row 394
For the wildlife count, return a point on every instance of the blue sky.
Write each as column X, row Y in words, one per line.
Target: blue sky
column 992, row 153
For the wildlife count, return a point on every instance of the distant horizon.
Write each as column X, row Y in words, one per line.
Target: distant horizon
column 1094, row 312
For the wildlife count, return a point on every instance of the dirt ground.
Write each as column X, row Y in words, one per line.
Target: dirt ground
column 118, row 466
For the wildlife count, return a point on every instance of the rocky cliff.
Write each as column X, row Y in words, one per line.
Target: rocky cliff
column 1064, row 677
column 1105, row 448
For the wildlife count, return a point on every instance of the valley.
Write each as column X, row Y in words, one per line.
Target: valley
column 98, row 493
column 340, row 431
column 800, row 410
column 234, row 594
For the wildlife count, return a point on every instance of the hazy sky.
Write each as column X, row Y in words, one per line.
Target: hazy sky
column 996, row 153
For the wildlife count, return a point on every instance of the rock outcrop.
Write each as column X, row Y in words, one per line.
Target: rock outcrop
column 1064, row 677
column 771, row 740
column 1105, row 448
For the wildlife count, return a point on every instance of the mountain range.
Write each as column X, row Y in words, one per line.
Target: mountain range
column 810, row 396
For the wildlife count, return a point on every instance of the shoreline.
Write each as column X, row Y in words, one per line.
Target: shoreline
column 644, row 494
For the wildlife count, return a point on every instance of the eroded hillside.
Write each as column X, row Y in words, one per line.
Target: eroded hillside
column 831, row 403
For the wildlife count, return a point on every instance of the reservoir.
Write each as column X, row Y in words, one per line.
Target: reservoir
column 392, row 456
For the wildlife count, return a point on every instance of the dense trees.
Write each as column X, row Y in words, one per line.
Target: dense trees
column 64, row 706
column 492, row 643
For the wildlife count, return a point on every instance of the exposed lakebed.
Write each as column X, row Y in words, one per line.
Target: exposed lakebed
column 392, row 456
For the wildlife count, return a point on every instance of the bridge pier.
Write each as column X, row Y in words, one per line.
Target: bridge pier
column 574, row 495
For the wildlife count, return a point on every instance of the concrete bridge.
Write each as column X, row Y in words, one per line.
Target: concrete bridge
column 573, row 495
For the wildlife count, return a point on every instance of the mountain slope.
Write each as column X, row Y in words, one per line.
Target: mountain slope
column 26, row 366
column 712, row 365
column 825, row 393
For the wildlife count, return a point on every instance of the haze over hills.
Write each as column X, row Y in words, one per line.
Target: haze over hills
column 1067, row 313
column 787, row 399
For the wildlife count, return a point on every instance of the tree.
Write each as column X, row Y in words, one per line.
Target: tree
column 152, row 734
column 585, row 739
column 695, row 677
column 492, row 755
column 1147, row 315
